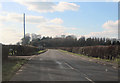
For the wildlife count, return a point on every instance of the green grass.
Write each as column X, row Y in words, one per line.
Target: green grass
column 117, row 60
column 41, row 51
column 72, row 53
column 10, row 67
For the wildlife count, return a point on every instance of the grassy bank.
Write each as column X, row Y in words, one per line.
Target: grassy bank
column 117, row 60
column 10, row 67
column 42, row 51
column 110, row 52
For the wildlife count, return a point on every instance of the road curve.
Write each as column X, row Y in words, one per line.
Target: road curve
column 55, row 65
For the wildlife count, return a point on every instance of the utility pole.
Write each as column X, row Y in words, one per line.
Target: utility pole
column 24, row 27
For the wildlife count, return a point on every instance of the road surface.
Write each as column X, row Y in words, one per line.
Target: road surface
column 55, row 65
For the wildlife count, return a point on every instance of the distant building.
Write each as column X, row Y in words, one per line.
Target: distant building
column 39, row 36
column 71, row 36
column 62, row 36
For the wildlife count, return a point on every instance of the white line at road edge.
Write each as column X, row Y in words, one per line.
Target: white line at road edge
column 31, row 57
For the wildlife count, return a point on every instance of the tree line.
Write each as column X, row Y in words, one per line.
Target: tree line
column 68, row 41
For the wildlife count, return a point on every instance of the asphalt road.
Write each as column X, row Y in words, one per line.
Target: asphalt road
column 55, row 65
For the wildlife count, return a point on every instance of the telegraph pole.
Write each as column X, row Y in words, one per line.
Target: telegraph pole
column 24, row 24
column 24, row 27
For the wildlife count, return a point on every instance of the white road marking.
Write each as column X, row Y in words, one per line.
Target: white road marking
column 58, row 62
column 41, row 59
column 89, row 79
column 106, row 70
column 31, row 57
column 17, row 73
column 20, row 70
column 114, row 67
column 69, row 66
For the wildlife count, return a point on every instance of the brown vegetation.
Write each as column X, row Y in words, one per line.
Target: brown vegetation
column 104, row 52
column 17, row 50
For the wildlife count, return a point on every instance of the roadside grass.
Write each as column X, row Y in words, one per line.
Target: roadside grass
column 117, row 60
column 41, row 51
column 38, row 52
column 10, row 67
column 72, row 53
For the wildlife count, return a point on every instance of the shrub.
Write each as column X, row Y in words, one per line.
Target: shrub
column 104, row 52
column 17, row 50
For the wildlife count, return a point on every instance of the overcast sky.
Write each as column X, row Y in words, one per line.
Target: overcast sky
column 99, row 19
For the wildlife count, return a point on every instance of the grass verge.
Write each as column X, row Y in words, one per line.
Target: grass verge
column 10, row 67
column 117, row 60
column 41, row 51
column 72, row 53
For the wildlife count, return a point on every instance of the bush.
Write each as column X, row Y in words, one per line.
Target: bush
column 104, row 52
column 16, row 50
